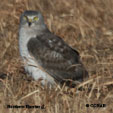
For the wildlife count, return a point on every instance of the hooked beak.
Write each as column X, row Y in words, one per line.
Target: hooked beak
column 29, row 22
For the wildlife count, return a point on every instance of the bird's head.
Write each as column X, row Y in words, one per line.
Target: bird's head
column 31, row 19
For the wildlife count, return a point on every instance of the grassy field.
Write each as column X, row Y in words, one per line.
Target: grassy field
column 87, row 26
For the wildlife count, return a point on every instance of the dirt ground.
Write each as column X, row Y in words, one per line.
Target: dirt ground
column 87, row 26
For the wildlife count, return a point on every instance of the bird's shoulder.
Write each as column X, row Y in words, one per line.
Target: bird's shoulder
column 49, row 43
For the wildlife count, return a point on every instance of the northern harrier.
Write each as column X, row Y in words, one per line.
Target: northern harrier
column 45, row 55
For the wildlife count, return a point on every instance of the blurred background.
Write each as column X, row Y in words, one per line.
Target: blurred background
column 87, row 26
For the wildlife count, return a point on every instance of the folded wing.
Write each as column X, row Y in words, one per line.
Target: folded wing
column 57, row 58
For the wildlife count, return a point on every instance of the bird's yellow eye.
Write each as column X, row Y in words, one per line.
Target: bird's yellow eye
column 25, row 18
column 35, row 18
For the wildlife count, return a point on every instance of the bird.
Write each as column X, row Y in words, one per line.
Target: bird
column 47, row 57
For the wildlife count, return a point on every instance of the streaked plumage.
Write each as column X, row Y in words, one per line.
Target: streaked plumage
column 46, row 55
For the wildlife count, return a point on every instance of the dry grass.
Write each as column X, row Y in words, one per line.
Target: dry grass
column 86, row 25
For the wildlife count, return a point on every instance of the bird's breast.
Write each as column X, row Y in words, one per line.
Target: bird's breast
column 24, row 37
column 30, row 64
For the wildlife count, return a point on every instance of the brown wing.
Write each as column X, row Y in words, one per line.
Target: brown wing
column 56, row 57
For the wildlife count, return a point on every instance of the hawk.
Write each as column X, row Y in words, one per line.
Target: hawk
column 46, row 56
